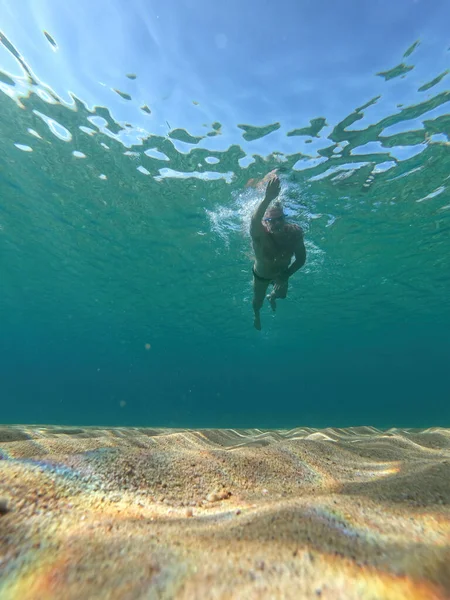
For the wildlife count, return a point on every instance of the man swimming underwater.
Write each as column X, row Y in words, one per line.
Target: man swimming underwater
column 275, row 242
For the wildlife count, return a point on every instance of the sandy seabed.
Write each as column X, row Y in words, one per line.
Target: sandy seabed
column 134, row 513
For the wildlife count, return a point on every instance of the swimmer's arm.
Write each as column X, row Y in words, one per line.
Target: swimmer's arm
column 272, row 191
column 300, row 257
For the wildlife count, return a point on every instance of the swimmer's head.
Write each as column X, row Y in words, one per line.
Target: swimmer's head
column 274, row 217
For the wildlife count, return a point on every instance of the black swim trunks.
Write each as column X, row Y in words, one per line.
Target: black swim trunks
column 259, row 278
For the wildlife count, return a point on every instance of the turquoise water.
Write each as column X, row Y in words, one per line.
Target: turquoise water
column 130, row 147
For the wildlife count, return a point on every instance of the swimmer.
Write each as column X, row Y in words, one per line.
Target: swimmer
column 275, row 243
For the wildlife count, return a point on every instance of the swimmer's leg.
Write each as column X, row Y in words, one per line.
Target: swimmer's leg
column 279, row 291
column 259, row 292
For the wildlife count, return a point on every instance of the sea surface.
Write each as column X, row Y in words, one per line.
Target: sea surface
column 132, row 140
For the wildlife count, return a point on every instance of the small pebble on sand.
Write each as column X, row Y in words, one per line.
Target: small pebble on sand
column 4, row 508
column 216, row 496
column 189, row 512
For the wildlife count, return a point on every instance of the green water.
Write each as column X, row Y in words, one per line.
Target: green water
column 93, row 269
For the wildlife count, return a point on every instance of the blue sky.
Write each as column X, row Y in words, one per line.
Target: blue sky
column 250, row 61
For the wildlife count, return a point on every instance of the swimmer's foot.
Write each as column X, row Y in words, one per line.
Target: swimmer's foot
column 257, row 322
column 272, row 301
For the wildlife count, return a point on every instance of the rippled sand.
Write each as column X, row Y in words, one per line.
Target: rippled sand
column 158, row 513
